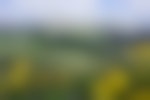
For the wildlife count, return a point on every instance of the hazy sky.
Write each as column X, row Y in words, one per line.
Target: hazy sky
column 73, row 11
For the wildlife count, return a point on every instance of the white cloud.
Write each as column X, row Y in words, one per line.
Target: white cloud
column 50, row 10
column 72, row 11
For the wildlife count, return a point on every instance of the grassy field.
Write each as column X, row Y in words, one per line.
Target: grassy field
column 37, row 65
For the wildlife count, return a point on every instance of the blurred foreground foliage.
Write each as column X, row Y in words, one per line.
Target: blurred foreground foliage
column 73, row 67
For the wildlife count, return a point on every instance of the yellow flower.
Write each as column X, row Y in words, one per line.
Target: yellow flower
column 112, row 83
column 20, row 74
